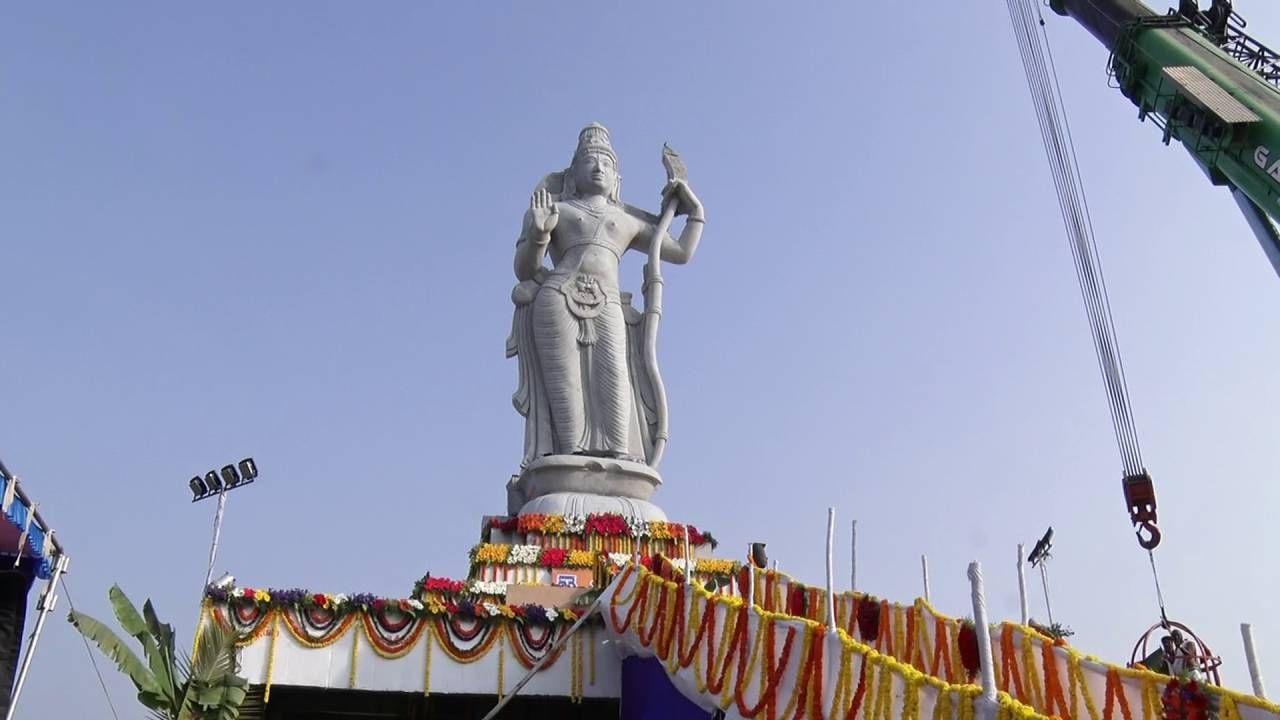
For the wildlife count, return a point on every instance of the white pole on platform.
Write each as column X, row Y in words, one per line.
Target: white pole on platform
column 1044, row 580
column 1022, row 585
column 853, row 556
column 924, row 572
column 688, row 561
column 983, row 631
column 1251, row 656
column 751, row 578
column 831, row 573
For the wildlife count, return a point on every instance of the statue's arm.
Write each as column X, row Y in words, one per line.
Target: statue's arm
column 535, row 235
column 678, row 251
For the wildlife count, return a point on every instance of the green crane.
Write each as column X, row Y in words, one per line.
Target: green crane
column 1207, row 85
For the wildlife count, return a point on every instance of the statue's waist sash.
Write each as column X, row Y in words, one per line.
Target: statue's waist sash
column 585, row 295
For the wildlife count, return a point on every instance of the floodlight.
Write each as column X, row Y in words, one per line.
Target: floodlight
column 198, row 490
column 248, row 470
column 230, row 477
column 212, row 482
column 1042, row 547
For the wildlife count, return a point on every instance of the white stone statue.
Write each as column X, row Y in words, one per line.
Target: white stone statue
column 589, row 388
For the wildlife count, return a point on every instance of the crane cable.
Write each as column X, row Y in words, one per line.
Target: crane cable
column 92, row 659
column 1055, row 131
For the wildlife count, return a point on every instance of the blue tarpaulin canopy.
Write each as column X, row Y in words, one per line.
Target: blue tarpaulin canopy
column 19, row 515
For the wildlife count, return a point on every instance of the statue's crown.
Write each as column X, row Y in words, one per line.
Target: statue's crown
column 594, row 138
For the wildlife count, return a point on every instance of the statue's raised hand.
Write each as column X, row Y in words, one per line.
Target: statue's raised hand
column 545, row 214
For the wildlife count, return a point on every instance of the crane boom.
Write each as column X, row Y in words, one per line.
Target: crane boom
column 1207, row 85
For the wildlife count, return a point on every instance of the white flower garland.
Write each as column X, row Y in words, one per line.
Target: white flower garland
column 486, row 587
column 524, row 554
column 575, row 523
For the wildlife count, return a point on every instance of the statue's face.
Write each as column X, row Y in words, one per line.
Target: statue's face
column 595, row 174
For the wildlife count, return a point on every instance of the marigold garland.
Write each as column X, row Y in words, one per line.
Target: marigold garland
column 389, row 650
column 355, row 658
column 271, row 663
column 501, row 670
column 300, row 634
column 426, row 667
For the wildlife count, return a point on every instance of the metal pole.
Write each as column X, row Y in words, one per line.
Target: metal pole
column 831, row 590
column 853, row 557
column 45, row 606
column 751, row 578
column 983, row 631
column 1022, row 585
column 1255, row 674
column 688, row 561
column 924, row 571
column 217, row 531
column 595, row 606
column 1044, row 580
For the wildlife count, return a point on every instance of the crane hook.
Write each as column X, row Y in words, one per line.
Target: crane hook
column 1153, row 539
column 1140, row 497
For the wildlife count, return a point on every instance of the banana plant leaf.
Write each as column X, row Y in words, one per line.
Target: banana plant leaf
column 149, row 692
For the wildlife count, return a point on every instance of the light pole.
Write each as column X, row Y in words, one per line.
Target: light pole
column 217, row 483
column 1039, row 554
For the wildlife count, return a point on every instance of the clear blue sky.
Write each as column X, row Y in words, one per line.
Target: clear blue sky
column 286, row 231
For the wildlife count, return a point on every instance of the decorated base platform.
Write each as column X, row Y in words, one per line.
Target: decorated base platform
column 769, row 655
column 529, row 580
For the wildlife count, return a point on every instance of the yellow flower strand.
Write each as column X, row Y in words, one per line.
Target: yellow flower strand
column 426, row 665
column 958, row 673
column 1145, row 691
column 502, row 662
column 1036, row 695
column 1227, row 708
column 911, row 697
column 722, row 646
column 899, row 651
column 271, row 661
column 790, row 708
column 966, row 706
column 1083, row 687
column 942, row 706
column 582, row 675
column 884, row 698
column 845, row 680
column 592, row 645
column 744, row 680
column 355, row 659
column 195, row 641
column 871, row 696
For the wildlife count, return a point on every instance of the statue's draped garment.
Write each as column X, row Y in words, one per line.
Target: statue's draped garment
column 584, row 387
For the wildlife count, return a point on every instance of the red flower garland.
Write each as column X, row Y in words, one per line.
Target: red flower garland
column 553, row 557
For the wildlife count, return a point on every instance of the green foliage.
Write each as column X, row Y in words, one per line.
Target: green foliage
column 172, row 687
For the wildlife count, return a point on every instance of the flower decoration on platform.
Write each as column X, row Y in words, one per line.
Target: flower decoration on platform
column 580, row 559
column 1186, row 699
column 491, row 553
column 553, row 557
column 574, row 524
column 524, row 554
column 602, row 525
column 484, row 587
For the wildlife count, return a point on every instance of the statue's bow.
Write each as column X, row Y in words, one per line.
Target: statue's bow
column 653, row 302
